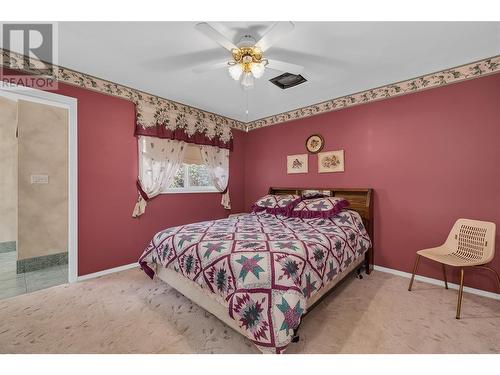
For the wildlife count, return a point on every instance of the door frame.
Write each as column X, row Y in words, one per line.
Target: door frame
column 46, row 97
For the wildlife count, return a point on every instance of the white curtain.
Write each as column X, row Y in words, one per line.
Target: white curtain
column 159, row 160
column 217, row 161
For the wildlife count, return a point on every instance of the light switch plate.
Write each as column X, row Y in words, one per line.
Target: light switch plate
column 39, row 178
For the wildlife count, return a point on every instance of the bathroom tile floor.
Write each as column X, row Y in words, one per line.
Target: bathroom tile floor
column 13, row 284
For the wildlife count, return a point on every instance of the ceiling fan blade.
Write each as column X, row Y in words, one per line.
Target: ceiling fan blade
column 215, row 35
column 284, row 66
column 209, row 67
column 277, row 31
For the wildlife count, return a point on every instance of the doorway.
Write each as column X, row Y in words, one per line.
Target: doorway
column 38, row 188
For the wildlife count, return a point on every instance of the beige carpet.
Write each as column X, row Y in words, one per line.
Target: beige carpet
column 128, row 313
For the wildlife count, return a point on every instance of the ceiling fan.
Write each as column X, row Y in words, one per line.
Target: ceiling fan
column 248, row 61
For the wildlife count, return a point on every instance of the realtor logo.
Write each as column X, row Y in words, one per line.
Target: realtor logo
column 32, row 48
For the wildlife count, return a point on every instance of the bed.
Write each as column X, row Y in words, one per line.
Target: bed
column 261, row 273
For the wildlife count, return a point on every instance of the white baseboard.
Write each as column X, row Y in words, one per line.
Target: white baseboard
column 392, row 271
column 107, row 272
column 429, row 280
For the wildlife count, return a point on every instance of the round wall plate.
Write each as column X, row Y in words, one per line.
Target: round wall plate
column 315, row 143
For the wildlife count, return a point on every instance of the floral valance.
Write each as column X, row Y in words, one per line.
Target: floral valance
column 155, row 116
column 164, row 119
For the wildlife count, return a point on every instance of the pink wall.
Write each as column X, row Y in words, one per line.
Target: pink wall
column 431, row 157
column 108, row 236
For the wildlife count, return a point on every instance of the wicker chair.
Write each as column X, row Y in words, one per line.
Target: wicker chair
column 471, row 243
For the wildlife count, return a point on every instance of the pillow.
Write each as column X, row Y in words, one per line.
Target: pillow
column 311, row 194
column 324, row 208
column 276, row 204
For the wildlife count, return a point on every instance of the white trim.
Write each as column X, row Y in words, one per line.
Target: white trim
column 108, row 271
column 189, row 190
column 432, row 281
column 50, row 98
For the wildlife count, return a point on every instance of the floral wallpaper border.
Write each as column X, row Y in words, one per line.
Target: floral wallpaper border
column 164, row 114
column 151, row 111
column 461, row 73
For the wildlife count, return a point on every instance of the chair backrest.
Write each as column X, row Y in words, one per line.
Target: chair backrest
column 472, row 240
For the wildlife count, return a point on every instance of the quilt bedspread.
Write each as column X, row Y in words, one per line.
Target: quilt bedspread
column 263, row 266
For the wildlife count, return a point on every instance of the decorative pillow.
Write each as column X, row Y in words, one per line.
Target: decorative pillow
column 319, row 208
column 311, row 194
column 276, row 204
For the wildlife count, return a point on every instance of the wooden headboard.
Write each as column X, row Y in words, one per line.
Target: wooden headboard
column 360, row 200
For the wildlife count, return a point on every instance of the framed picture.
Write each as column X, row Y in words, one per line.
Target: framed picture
column 315, row 143
column 297, row 163
column 331, row 161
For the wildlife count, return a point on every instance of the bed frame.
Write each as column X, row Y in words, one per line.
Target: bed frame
column 360, row 200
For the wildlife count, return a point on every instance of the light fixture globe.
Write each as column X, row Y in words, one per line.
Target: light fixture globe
column 247, row 81
column 258, row 69
column 235, row 71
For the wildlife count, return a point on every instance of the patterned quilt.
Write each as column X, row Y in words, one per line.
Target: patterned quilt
column 264, row 266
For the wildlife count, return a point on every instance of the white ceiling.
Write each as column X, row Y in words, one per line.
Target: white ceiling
column 339, row 58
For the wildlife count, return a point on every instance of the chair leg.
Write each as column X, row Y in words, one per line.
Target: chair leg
column 492, row 270
column 415, row 267
column 498, row 277
column 460, row 293
column 444, row 275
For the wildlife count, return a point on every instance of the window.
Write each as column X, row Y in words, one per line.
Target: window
column 192, row 176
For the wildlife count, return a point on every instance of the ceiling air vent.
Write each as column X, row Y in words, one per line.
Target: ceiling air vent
column 288, row 80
